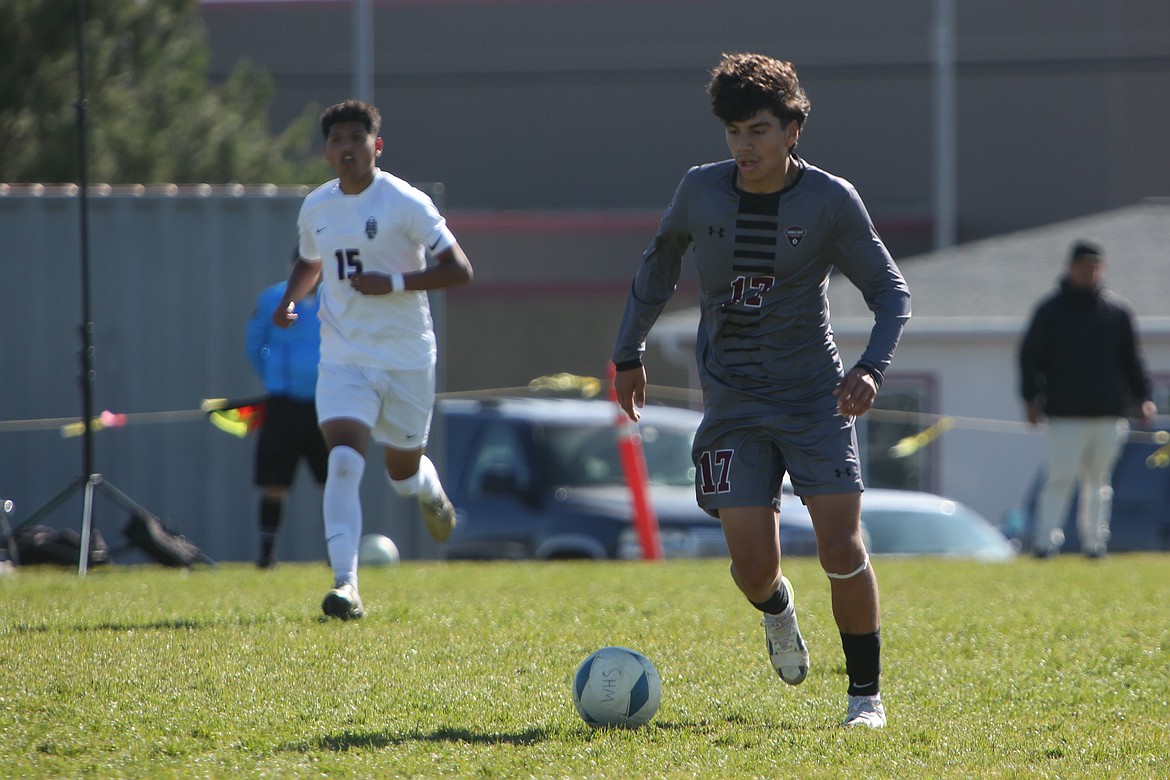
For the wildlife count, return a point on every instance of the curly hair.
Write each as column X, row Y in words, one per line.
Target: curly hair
column 352, row 111
column 744, row 84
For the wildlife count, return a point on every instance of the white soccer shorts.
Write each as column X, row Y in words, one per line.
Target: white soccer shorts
column 396, row 405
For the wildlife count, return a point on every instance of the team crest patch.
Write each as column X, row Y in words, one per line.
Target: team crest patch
column 371, row 227
column 794, row 234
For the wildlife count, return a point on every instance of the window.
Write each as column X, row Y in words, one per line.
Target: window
column 1161, row 392
column 896, row 415
column 668, row 454
column 588, row 454
column 499, row 458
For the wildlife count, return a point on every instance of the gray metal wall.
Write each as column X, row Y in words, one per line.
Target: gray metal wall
column 529, row 104
column 174, row 279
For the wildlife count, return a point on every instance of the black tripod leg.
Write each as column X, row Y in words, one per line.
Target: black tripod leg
column 6, row 529
column 130, row 505
column 96, row 482
column 53, row 502
column 117, row 496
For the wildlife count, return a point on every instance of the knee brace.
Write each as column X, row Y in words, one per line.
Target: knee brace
column 864, row 565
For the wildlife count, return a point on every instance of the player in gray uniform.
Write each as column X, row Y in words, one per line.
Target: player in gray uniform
column 765, row 230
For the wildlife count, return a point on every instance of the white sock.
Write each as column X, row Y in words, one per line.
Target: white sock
column 424, row 483
column 342, row 508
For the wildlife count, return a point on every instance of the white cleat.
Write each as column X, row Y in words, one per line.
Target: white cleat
column 343, row 602
column 865, row 711
column 439, row 516
column 786, row 646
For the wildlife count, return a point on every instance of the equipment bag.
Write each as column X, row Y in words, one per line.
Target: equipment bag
column 40, row 544
column 161, row 543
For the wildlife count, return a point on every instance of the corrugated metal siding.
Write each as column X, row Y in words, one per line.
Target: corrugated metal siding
column 173, row 280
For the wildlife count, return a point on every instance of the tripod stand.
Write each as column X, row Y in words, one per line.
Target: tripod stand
column 90, row 481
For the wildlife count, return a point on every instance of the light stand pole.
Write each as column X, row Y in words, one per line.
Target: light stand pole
column 87, row 371
column 89, row 479
column 945, row 145
column 363, row 50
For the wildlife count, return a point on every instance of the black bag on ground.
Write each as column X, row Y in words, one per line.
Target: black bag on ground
column 41, row 544
column 161, row 543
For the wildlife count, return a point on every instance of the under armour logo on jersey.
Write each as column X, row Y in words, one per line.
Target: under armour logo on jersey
column 371, row 227
column 714, row 231
column 794, row 234
column 846, row 472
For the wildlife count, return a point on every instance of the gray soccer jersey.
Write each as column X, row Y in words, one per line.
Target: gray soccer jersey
column 764, row 262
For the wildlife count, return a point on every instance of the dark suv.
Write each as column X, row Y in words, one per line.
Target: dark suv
column 541, row 478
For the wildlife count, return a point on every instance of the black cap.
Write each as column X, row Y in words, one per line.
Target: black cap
column 1089, row 251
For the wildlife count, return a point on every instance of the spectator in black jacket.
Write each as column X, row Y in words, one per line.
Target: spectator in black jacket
column 1081, row 368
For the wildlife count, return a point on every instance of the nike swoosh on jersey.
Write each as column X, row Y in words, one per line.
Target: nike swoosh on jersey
column 432, row 246
column 321, row 228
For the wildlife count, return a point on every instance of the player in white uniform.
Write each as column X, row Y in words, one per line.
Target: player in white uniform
column 365, row 235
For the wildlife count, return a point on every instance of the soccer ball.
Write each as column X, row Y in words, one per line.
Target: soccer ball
column 377, row 550
column 617, row 686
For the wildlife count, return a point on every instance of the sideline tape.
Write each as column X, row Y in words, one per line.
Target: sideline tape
column 588, row 387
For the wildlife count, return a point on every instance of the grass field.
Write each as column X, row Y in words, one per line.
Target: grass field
column 1055, row 669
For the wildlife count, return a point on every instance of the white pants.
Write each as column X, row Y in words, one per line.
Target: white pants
column 1084, row 449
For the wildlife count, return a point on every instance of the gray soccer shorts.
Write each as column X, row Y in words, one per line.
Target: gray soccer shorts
column 741, row 462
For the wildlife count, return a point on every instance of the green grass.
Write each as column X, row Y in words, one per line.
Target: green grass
column 1055, row 669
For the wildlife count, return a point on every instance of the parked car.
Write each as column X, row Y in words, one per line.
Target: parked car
column 906, row 522
column 909, row 522
column 1141, row 505
column 541, row 478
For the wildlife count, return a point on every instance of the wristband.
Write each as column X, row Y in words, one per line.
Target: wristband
column 397, row 282
column 877, row 375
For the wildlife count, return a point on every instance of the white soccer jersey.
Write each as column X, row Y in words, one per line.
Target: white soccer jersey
column 384, row 229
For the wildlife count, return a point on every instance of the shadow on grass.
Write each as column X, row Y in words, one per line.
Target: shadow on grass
column 344, row 741
column 172, row 624
column 713, row 727
column 352, row 741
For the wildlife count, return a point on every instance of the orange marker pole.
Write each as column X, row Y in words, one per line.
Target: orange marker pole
column 637, row 478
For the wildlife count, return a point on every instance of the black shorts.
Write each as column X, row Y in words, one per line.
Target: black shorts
column 289, row 433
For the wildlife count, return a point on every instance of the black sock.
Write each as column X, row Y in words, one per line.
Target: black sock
column 774, row 605
column 863, row 662
column 271, row 510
